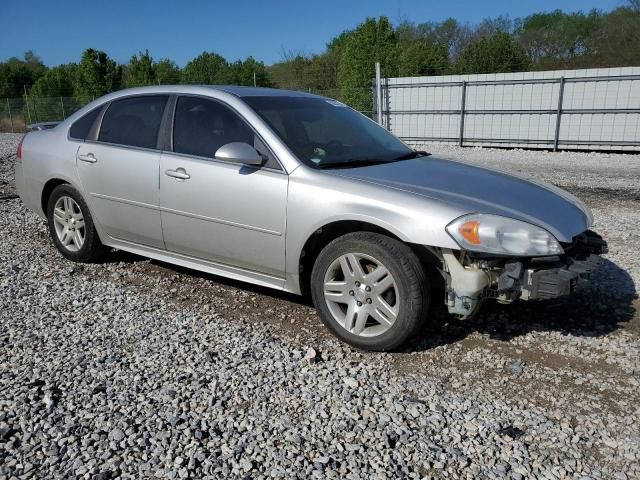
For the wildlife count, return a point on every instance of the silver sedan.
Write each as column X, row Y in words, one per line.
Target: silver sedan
column 300, row 193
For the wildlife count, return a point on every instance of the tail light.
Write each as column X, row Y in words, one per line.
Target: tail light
column 19, row 150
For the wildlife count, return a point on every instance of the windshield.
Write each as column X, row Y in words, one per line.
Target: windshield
column 325, row 133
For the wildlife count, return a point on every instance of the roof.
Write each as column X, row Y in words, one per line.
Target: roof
column 259, row 91
column 230, row 89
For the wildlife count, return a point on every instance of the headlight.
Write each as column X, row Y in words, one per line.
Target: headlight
column 502, row 235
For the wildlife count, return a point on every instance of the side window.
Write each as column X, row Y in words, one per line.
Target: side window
column 133, row 121
column 81, row 127
column 202, row 126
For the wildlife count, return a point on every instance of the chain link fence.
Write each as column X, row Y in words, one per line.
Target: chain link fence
column 17, row 113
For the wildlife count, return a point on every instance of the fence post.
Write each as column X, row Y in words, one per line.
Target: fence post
column 62, row 108
column 378, row 94
column 10, row 116
column 463, row 99
column 26, row 101
column 556, row 137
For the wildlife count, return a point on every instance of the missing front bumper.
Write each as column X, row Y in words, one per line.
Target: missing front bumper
column 545, row 284
column 469, row 281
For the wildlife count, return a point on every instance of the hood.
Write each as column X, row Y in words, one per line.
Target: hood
column 481, row 190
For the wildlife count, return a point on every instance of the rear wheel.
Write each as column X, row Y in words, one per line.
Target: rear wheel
column 71, row 226
column 370, row 290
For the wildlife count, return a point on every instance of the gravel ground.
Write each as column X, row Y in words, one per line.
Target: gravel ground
column 136, row 369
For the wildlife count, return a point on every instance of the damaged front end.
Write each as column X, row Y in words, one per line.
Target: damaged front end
column 471, row 278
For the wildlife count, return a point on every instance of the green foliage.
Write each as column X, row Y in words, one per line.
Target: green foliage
column 143, row 70
column 293, row 73
column 207, row 68
column 16, row 74
column 242, row 73
column 167, row 72
column 57, row 81
column 372, row 41
column 422, row 57
column 557, row 39
column 448, row 33
column 498, row 53
column 140, row 71
column 618, row 42
column 96, row 75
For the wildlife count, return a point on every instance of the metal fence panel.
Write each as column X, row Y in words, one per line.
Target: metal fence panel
column 594, row 109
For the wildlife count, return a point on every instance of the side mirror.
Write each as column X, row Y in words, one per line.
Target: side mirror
column 240, row 152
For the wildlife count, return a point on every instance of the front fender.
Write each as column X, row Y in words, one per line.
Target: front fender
column 317, row 199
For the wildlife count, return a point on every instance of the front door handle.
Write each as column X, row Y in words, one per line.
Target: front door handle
column 89, row 157
column 179, row 173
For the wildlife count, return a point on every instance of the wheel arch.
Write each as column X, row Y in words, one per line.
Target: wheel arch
column 325, row 234
column 47, row 190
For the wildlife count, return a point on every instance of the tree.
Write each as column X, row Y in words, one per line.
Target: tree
column 498, row 53
column 207, row 68
column 294, row 72
column 140, row 71
column 16, row 74
column 97, row 75
column 490, row 26
column 56, row 82
column 167, row 72
column 448, row 33
column 618, row 42
column 372, row 41
column 422, row 57
column 242, row 73
column 557, row 39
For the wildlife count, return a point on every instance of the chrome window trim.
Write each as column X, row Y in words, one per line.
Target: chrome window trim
column 173, row 104
column 127, row 147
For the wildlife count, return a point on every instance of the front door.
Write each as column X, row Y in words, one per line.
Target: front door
column 220, row 211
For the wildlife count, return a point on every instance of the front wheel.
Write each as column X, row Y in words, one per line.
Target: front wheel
column 370, row 290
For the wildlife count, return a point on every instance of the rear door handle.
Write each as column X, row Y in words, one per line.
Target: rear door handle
column 89, row 157
column 179, row 173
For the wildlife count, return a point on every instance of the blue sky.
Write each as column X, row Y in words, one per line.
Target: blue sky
column 58, row 30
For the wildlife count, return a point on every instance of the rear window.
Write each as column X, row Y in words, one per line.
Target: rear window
column 81, row 128
column 133, row 121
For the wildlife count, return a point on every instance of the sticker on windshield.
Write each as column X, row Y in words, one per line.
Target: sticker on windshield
column 335, row 103
column 320, row 152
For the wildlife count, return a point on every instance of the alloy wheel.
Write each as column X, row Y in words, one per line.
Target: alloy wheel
column 361, row 294
column 69, row 223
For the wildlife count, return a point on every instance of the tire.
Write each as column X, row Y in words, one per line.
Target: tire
column 374, row 308
column 66, row 210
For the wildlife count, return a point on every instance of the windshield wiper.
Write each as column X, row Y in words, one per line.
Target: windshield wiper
column 413, row 154
column 354, row 163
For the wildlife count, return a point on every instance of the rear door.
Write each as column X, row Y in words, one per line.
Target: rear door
column 215, row 210
column 119, row 172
